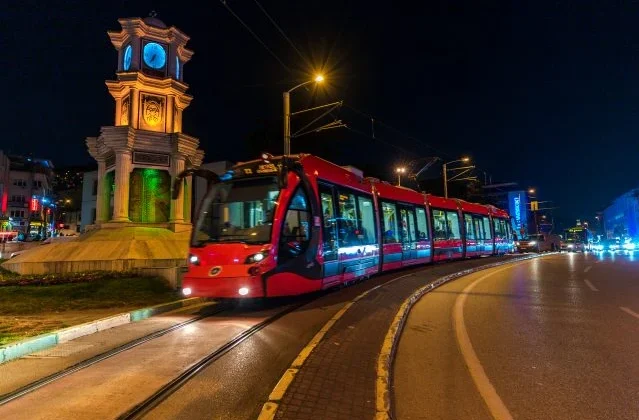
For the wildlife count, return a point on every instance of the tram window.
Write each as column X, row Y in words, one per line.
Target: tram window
column 367, row 227
column 422, row 225
column 348, row 223
column 408, row 224
column 499, row 229
column 470, row 227
column 487, row 230
column 479, row 227
column 453, row 225
column 296, row 224
column 440, row 231
column 389, row 219
column 498, row 232
column 329, row 228
column 238, row 211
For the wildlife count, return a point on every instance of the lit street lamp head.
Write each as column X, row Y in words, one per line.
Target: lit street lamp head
column 465, row 159
column 319, row 78
column 400, row 170
column 531, row 191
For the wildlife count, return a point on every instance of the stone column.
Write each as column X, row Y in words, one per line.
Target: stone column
column 122, row 184
column 135, row 109
column 170, row 124
column 118, row 111
column 101, row 203
column 177, row 206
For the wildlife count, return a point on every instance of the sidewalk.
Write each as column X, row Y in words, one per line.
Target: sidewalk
column 37, row 313
column 79, row 346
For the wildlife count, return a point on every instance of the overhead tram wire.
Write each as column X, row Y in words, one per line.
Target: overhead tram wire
column 288, row 69
column 281, row 31
column 390, row 127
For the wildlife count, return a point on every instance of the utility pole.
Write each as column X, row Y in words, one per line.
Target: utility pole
column 287, row 123
column 445, row 181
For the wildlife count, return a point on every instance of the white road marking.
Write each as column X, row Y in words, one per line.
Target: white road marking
column 592, row 287
column 587, row 269
column 629, row 311
column 496, row 406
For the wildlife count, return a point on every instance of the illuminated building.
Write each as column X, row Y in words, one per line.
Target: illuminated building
column 23, row 192
column 141, row 154
column 621, row 218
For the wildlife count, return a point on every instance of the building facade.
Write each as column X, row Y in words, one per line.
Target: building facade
column 5, row 225
column 30, row 203
column 621, row 218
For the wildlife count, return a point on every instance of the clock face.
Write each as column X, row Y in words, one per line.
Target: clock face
column 154, row 55
column 128, row 52
column 177, row 68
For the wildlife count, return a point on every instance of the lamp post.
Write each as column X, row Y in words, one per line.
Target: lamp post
column 287, row 112
column 400, row 171
column 445, row 170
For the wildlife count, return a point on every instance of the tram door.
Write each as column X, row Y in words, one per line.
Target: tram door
column 408, row 233
column 329, row 234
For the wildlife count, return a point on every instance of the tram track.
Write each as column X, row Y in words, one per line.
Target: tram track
column 33, row 386
column 146, row 406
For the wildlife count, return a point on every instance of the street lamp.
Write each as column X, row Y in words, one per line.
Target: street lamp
column 287, row 112
column 445, row 171
column 400, row 171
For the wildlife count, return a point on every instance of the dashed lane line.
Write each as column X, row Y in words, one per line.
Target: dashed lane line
column 494, row 402
column 590, row 285
column 587, row 269
column 629, row 311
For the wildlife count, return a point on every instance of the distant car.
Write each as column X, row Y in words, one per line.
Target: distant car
column 572, row 245
column 539, row 243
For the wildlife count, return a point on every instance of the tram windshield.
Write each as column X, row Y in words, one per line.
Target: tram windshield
column 238, row 211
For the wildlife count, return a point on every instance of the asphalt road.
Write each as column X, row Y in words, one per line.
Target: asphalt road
column 550, row 338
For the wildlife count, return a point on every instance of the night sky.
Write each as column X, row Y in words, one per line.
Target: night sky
column 546, row 95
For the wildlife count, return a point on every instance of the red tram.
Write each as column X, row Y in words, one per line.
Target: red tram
column 288, row 225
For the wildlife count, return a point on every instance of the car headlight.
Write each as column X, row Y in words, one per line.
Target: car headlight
column 599, row 247
column 571, row 246
column 532, row 243
column 516, row 243
column 194, row 259
column 256, row 257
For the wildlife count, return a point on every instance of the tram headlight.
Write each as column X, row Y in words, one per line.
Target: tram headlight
column 243, row 291
column 532, row 243
column 187, row 291
column 194, row 259
column 256, row 257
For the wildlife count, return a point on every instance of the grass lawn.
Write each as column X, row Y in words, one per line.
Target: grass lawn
column 31, row 310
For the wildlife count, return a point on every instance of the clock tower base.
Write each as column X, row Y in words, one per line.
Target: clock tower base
column 144, row 250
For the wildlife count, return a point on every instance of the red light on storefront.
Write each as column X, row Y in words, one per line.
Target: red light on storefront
column 34, row 204
column 48, row 211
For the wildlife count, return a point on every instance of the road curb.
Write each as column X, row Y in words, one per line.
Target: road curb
column 384, row 403
column 41, row 342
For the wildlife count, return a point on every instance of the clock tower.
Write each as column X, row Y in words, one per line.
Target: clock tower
column 140, row 155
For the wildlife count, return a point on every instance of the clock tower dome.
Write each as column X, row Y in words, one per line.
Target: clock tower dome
column 140, row 155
